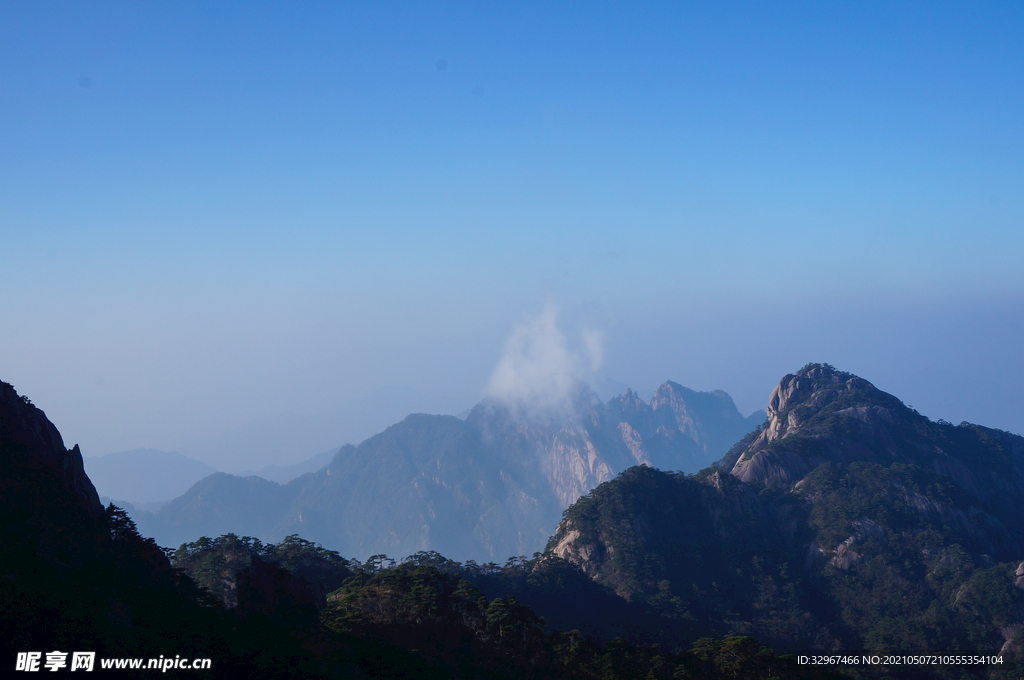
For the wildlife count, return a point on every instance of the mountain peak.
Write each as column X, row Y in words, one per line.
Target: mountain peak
column 671, row 391
column 822, row 415
column 818, row 388
column 629, row 403
column 805, row 412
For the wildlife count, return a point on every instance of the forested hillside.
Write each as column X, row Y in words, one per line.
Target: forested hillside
column 849, row 521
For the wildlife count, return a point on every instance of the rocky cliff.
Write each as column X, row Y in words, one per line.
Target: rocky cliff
column 679, row 429
column 30, row 441
column 74, row 576
column 821, row 414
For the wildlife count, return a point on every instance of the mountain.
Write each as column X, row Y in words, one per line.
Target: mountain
column 847, row 521
column 148, row 478
column 74, row 576
column 287, row 437
column 486, row 487
column 145, row 475
column 878, row 547
column 77, row 577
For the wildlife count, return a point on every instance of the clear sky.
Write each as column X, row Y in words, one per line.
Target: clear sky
column 215, row 213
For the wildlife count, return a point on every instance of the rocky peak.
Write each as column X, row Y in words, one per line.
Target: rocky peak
column 629, row 404
column 799, row 397
column 670, row 393
column 698, row 415
column 823, row 416
column 809, row 405
column 679, row 401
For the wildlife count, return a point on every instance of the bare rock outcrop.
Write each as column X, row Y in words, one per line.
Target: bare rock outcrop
column 845, row 557
column 1011, row 649
column 571, row 549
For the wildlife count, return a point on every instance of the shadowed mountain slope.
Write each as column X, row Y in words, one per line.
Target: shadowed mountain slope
column 74, row 576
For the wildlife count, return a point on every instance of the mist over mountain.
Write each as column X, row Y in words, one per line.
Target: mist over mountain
column 148, row 477
column 490, row 486
column 289, row 438
column 145, row 475
column 282, row 474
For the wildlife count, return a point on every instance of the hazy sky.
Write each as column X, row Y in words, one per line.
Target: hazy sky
column 213, row 215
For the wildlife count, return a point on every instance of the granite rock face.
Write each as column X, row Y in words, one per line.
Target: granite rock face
column 679, row 429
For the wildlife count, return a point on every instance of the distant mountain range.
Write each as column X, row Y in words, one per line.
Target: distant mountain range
column 490, row 486
column 145, row 475
column 144, row 478
column 288, row 438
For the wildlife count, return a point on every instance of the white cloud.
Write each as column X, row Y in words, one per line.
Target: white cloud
column 538, row 371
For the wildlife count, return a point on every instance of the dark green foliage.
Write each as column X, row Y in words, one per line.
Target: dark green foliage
column 213, row 563
column 810, row 366
column 737, row 657
column 913, row 587
column 452, row 627
column 121, row 599
column 568, row 599
column 697, row 557
column 634, row 515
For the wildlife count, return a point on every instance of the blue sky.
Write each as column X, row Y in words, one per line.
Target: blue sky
column 211, row 215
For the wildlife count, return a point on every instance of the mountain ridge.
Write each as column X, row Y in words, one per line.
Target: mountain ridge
column 486, row 487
